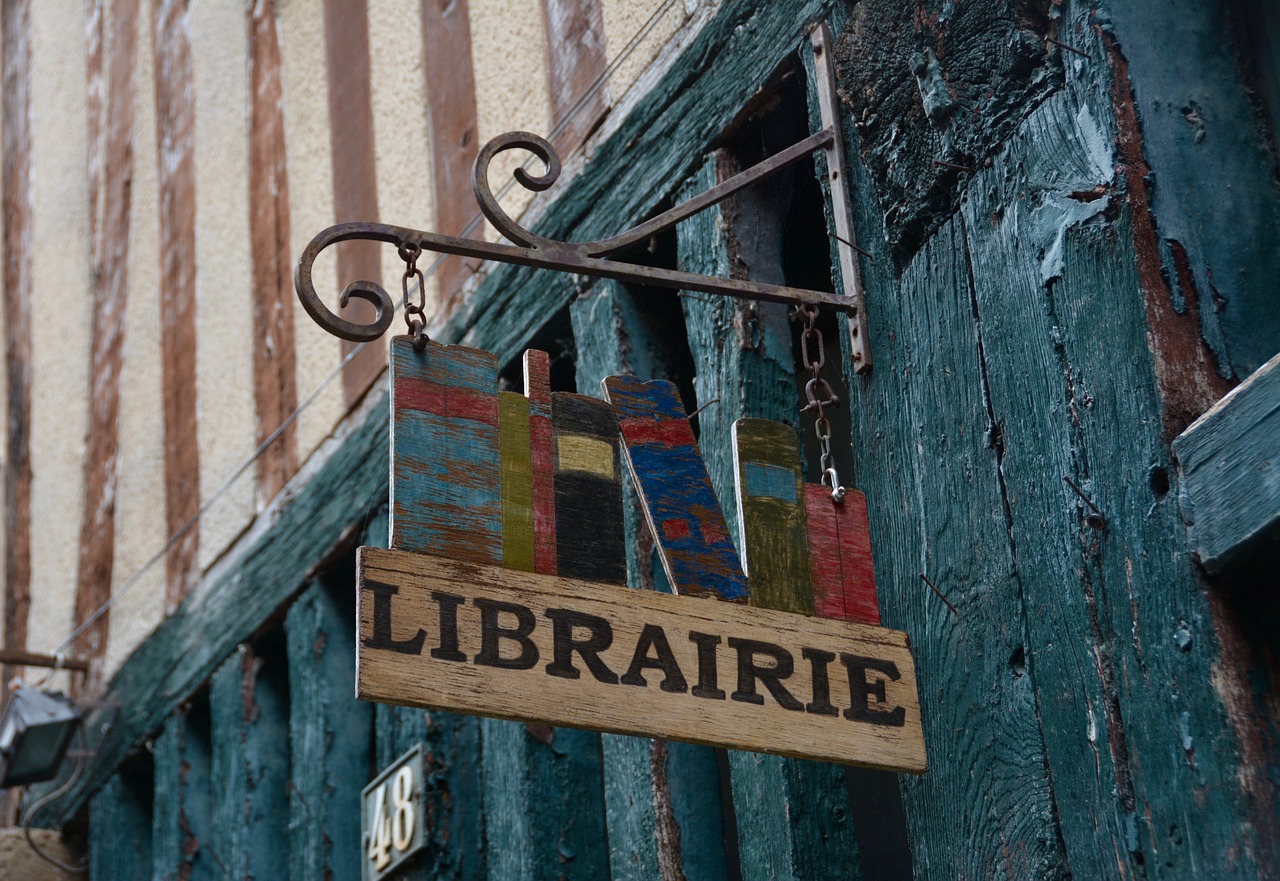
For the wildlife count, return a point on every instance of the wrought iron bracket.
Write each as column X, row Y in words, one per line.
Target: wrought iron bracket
column 527, row 248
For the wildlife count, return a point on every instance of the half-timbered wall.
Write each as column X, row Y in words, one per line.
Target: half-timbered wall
column 1068, row 213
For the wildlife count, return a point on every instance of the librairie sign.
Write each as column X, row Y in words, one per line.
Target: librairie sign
column 503, row 594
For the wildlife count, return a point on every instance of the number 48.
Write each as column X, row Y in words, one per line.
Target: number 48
column 392, row 829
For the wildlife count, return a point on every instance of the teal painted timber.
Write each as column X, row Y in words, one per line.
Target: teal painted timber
column 181, row 822
column 120, row 830
column 661, row 800
column 249, row 712
column 793, row 816
column 344, row 483
column 330, row 732
column 1229, row 470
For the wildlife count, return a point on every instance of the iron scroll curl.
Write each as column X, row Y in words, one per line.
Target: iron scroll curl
column 530, row 249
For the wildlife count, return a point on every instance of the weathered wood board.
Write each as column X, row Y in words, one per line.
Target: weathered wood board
column 588, row 489
column 844, row 581
column 479, row 639
column 517, row 482
column 445, row 486
column 679, row 502
column 771, row 515
column 542, row 460
column 1228, row 461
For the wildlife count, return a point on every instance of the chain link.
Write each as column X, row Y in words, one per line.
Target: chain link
column 819, row 395
column 414, row 313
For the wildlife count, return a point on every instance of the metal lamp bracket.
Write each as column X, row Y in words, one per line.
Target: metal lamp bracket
column 527, row 248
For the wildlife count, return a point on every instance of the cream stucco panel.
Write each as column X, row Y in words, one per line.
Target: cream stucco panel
column 61, row 316
column 224, row 290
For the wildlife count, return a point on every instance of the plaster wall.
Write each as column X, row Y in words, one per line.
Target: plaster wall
column 61, row 316
column 224, row 292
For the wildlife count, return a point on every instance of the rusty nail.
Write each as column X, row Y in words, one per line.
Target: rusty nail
column 938, row 162
column 934, row 588
column 1095, row 519
column 845, row 241
column 1063, row 45
column 692, row 296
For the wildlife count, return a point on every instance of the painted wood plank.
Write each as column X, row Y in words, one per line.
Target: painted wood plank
column 120, row 829
column 111, row 115
column 454, row 135
column 181, row 820
column 275, row 380
column 542, row 462
column 15, row 108
column 355, row 178
column 575, row 61
column 683, row 512
column 446, row 469
column 1230, row 482
column 588, row 488
column 249, row 711
column 662, row 800
column 787, row 812
column 330, row 732
column 175, row 119
column 771, row 515
column 844, row 580
column 542, row 648
column 517, row 482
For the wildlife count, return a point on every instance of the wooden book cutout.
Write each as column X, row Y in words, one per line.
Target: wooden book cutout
column 542, row 459
column 517, row 482
column 588, row 486
column 844, row 583
column 679, row 502
column 771, row 515
column 445, row 468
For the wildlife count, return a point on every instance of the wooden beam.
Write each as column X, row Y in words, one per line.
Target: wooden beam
column 1227, row 462
column 120, row 828
column 575, row 62
column 454, row 134
column 181, row 816
column 16, row 111
column 111, row 114
column 18, row 657
column 275, row 380
column 176, row 176
column 355, row 178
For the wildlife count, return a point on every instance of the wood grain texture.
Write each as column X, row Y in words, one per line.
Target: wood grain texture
column 542, row 462
column 249, row 711
column 275, row 374
column 1229, row 480
column 683, row 512
column 772, row 515
column 111, row 114
column 175, row 118
column 575, row 61
column 844, row 579
column 497, row 668
column 15, row 108
column 662, row 800
column 120, row 830
column 788, row 812
column 180, row 811
column 329, row 732
column 517, row 482
column 355, row 178
column 588, row 488
column 445, row 481
column 451, row 99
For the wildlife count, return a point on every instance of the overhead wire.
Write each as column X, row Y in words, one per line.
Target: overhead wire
column 594, row 88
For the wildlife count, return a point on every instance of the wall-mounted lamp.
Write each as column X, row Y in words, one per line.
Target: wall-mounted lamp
column 35, row 731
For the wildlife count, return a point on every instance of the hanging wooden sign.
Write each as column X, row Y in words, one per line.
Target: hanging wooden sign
column 502, row 592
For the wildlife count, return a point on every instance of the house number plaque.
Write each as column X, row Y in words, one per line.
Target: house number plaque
column 391, row 817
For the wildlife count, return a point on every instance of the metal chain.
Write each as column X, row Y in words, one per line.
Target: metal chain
column 414, row 313
column 813, row 353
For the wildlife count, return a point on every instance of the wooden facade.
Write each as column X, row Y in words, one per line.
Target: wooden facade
column 1069, row 215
